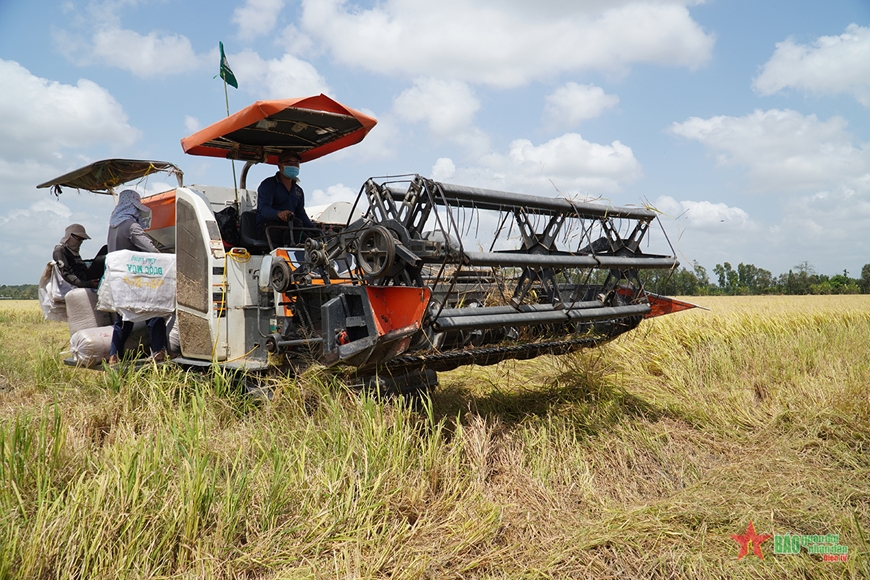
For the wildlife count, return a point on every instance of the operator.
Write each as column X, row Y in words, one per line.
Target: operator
column 126, row 233
column 281, row 202
column 69, row 261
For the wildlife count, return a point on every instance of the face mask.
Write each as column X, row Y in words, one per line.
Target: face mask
column 145, row 219
column 291, row 171
column 74, row 244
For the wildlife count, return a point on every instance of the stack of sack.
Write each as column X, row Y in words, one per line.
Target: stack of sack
column 138, row 286
column 91, row 329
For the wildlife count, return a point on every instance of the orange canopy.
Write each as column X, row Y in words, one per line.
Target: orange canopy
column 309, row 126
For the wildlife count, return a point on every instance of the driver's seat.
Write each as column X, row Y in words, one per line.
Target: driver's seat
column 248, row 234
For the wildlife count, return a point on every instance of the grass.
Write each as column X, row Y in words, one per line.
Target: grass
column 636, row 460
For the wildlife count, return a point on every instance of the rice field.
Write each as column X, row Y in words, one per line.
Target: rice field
column 640, row 459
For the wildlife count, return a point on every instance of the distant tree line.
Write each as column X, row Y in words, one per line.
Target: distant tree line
column 21, row 292
column 749, row 279
column 746, row 279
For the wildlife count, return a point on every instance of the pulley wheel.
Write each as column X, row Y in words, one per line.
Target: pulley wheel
column 376, row 251
column 279, row 275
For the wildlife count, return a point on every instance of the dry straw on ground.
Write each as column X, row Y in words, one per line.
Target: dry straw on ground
column 636, row 460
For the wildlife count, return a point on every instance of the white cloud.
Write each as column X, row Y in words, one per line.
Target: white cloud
column 40, row 118
column 297, row 42
column 831, row 65
column 820, row 227
column 825, row 228
column 784, row 150
column 192, row 124
column 146, row 56
column 577, row 163
column 567, row 165
column 282, row 78
column 257, row 17
column 46, row 207
column 705, row 215
column 333, row 193
column 27, row 248
column 506, row 44
column 570, row 104
column 711, row 233
column 443, row 170
column 18, row 177
column 96, row 35
column 379, row 144
column 447, row 107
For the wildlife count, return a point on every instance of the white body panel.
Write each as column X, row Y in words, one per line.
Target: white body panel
column 242, row 304
column 202, row 321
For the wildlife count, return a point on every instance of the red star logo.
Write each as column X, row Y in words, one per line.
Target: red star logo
column 750, row 539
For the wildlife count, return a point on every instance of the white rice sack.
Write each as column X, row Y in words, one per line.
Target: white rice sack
column 174, row 338
column 90, row 346
column 138, row 285
column 105, row 303
column 81, row 304
column 51, row 290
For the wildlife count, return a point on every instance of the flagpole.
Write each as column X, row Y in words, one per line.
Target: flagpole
column 232, row 161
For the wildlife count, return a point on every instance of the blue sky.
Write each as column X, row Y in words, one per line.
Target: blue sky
column 745, row 122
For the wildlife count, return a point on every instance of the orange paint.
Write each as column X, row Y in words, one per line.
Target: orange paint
column 397, row 307
column 162, row 208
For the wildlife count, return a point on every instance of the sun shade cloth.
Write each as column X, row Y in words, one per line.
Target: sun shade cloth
column 309, row 126
column 103, row 176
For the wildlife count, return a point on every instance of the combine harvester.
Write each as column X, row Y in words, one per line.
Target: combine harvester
column 393, row 288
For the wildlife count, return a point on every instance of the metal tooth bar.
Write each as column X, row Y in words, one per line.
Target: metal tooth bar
column 463, row 196
column 567, row 261
column 300, row 342
column 517, row 259
column 659, row 262
column 533, row 318
column 486, row 310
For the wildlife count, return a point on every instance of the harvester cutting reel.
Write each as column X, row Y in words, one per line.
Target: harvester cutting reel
column 546, row 275
column 558, row 274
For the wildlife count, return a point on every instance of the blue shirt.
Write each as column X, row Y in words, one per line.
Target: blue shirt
column 273, row 197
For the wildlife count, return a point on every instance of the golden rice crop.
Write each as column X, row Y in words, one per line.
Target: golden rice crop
column 639, row 459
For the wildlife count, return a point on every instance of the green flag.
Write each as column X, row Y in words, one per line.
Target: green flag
column 226, row 72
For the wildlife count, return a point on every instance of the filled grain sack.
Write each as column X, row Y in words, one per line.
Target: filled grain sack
column 174, row 338
column 51, row 292
column 81, row 310
column 90, row 346
column 138, row 285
